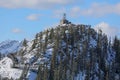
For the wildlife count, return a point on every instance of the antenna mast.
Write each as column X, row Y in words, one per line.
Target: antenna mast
column 64, row 16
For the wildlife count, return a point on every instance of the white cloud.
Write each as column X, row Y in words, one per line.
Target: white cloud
column 75, row 11
column 59, row 13
column 33, row 17
column 37, row 4
column 96, row 10
column 107, row 29
column 16, row 30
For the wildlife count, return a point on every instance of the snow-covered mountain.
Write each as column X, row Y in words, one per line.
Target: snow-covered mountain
column 66, row 52
column 10, row 46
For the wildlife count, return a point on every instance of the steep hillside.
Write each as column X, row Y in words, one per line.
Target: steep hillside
column 68, row 52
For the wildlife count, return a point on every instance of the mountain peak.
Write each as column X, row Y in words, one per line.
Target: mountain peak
column 77, row 51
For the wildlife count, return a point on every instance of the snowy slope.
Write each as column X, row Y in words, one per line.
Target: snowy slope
column 9, row 46
column 6, row 69
column 77, row 43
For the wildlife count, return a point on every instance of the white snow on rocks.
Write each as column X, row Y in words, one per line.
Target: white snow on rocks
column 6, row 69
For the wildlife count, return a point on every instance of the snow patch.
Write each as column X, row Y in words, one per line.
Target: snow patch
column 6, row 69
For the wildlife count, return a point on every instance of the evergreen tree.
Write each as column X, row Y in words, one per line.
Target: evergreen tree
column 25, row 42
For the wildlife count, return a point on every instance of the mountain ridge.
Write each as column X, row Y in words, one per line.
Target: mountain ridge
column 10, row 46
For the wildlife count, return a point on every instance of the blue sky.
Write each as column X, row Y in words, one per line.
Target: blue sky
column 21, row 19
